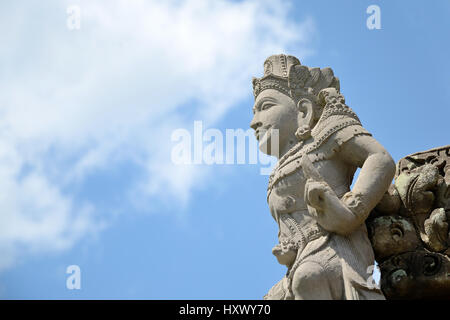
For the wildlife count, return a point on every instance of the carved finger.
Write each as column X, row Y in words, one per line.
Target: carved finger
column 316, row 195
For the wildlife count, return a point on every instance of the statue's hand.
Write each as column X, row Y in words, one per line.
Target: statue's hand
column 326, row 207
column 319, row 196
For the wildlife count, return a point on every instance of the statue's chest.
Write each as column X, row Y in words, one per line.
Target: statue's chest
column 286, row 194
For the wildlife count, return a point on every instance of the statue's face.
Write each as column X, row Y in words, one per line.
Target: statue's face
column 274, row 110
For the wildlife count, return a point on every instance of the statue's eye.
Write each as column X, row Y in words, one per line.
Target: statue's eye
column 266, row 106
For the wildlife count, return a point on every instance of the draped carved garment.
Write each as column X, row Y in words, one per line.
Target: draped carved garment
column 345, row 260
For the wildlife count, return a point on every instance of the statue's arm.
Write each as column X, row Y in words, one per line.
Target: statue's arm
column 376, row 174
column 344, row 215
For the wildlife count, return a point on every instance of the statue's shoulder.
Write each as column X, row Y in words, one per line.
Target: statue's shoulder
column 333, row 143
column 337, row 124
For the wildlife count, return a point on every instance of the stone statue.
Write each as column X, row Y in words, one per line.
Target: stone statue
column 409, row 228
column 323, row 239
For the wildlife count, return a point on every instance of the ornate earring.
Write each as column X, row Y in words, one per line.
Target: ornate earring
column 306, row 110
column 303, row 132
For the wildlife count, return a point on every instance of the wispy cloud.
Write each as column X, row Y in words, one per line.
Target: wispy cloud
column 75, row 102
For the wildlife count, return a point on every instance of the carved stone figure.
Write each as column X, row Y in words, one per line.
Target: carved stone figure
column 301, row 117
column 409, row 228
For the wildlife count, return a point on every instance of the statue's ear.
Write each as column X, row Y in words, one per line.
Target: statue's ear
column 306, row 112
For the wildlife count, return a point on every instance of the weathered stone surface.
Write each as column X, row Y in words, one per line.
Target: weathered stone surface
column 409, row 228
column 417, row 274
column 392, row 235
column 301, row 117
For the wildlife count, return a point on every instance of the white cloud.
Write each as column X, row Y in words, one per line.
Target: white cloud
column 74, row 102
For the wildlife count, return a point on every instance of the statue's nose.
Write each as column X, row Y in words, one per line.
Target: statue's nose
column 255, row 123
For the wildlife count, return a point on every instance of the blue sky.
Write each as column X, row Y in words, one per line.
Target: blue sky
column 86, row 123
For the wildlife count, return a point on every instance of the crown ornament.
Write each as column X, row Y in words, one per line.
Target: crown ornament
column 285, row 74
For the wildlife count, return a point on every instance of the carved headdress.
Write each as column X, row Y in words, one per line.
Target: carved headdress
column 286, row 74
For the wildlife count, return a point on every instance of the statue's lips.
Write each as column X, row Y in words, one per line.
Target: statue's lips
column 262, row 132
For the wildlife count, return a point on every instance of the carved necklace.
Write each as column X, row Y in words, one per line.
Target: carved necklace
column 287, row 158
column 300, row 149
